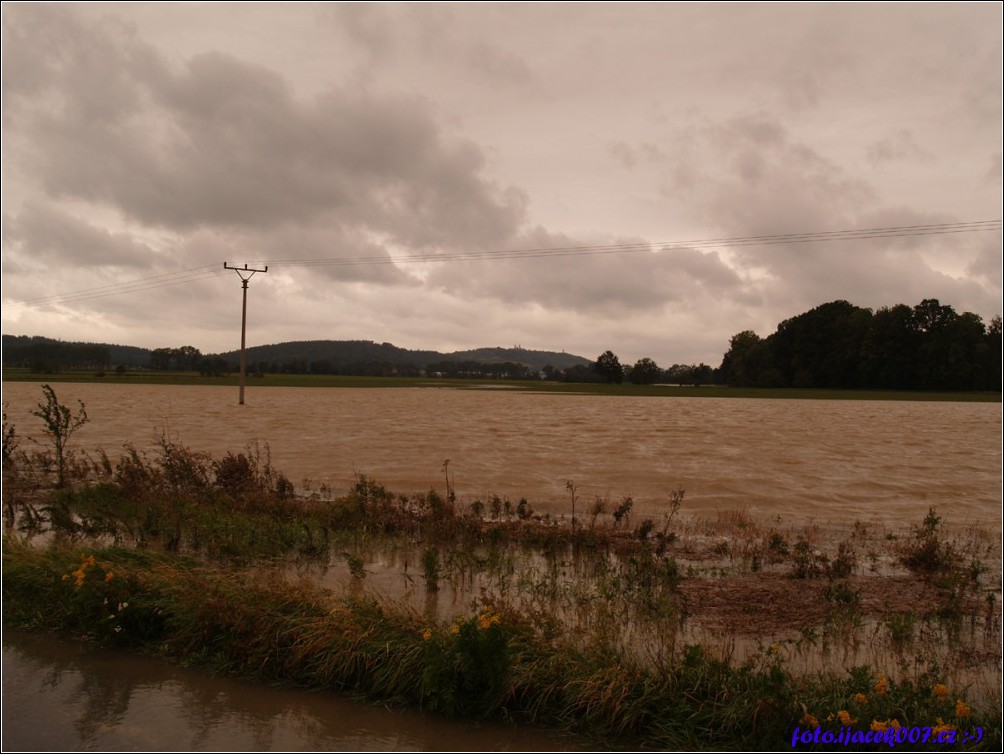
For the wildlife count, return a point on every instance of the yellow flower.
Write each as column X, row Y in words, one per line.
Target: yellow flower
column 881, row 685
column 809, row 721
column 961, row 708
column 860, row 698
column 487, row 620
column 894, row 724
column 845, row 718
column 878, row 726
column 454, row 629
column 940, row 690
column 941, row 727
column 427, row 634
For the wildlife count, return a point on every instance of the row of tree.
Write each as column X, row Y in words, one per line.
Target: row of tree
column 838, row 345
column 55, row 356
column 645, row 371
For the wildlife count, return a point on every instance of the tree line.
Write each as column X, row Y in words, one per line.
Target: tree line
column 929, row 346
column 837, row 345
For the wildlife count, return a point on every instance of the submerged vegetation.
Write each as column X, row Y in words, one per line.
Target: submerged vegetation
column 662, row 632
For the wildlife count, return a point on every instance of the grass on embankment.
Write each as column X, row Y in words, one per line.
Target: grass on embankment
column 577, row 388
column 495, row 662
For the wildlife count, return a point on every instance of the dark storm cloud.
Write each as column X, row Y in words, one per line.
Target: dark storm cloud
column 748, row 176
column 47, row 235
column 597, row 282
column 224, row 143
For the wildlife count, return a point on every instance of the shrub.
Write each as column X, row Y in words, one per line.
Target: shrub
column 60, row 424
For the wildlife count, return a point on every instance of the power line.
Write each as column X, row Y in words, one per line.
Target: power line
column 114, row 289
column 765, row 240
column 213, row 270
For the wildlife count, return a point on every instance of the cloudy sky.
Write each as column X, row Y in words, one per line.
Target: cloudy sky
column 347, row 146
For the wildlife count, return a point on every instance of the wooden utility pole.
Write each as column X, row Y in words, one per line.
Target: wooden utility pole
column 245, row 274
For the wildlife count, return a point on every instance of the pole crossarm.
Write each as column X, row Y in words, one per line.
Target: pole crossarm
column 245, row 273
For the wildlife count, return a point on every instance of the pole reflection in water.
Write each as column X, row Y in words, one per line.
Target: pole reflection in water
column 61, row 696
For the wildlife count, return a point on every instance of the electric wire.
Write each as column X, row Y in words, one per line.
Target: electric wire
column 536, row 253
column 215, row 270
column 114, row 289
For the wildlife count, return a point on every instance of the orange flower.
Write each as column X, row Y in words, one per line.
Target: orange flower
column 881, row 685
column 941, row 727
column 940, row 690
column 809, row 721
column 878, row 726
column 961, row 708
column 860, row 698
column 845, row 718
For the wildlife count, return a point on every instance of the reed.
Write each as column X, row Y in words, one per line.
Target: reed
column 494, row 661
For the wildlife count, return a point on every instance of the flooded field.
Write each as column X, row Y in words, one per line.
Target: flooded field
column 787, row 503
column 821, row 461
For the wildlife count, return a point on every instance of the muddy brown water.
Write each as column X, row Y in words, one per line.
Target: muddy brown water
column 61, row 696
column 827, row 462
column 805, row 460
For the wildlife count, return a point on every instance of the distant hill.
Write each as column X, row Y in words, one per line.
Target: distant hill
column 340, row 354
column 337, row 356
column 517, row 355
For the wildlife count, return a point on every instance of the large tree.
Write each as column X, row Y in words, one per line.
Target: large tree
column 738, row 366
column 608, row 366
column 645, row 372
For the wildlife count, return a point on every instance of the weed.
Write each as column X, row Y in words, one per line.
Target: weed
column 928, row 553
column 623, row 511
column 777, row 548
column 60, row 424
column 644, row 529
column 844, row 563
column 902, row 627
column 598, row 508
column 807, row 563
column 675, row 502
column 10, row 440
column 570, row 486
column 431, row 569
column 356, row 567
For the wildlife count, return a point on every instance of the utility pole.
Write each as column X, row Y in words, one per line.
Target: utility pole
column 245, row 274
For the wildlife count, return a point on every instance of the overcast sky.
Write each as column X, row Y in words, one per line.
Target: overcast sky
column 144, row 140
